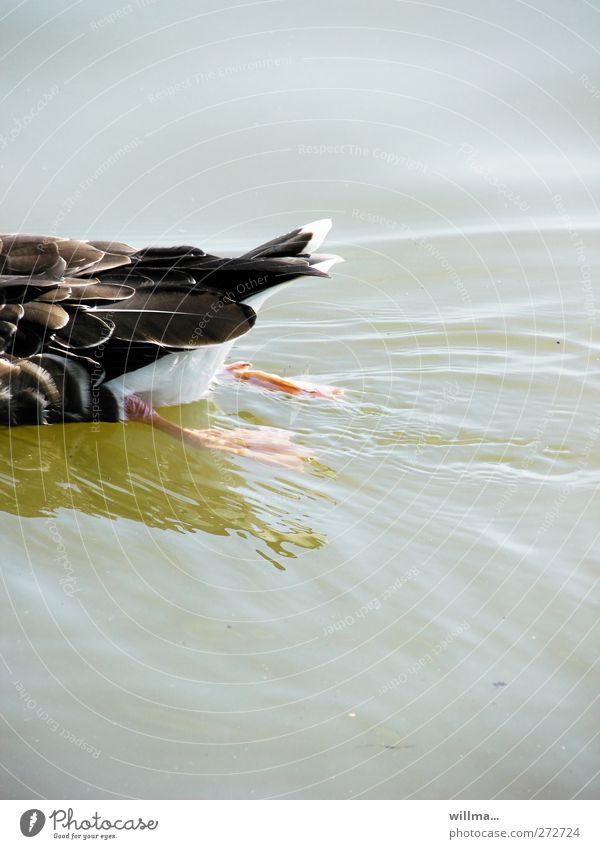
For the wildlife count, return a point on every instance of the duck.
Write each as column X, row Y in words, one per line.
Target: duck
column 100, row 331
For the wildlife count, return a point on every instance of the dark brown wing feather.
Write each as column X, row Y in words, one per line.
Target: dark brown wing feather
column 178, row 317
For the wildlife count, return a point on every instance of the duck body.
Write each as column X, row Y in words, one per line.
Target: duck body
column 86, row 325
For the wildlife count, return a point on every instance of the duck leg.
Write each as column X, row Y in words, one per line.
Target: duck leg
column 267, row 444
column 244, row 371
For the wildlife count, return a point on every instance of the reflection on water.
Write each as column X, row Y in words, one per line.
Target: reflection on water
column 131, row 472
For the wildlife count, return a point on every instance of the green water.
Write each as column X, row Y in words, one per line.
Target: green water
column 414, row 614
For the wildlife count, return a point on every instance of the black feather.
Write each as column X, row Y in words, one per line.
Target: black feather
column 175, row 317
column 293, row 243
column 84, row 330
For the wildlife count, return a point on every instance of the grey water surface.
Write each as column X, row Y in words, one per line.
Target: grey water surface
column 415, row 614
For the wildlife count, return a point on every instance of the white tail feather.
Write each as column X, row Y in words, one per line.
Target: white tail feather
column 319, row 230
column 325, row 261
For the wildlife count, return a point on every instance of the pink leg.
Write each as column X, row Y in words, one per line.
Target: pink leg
column 268, row 444
column 242, row 371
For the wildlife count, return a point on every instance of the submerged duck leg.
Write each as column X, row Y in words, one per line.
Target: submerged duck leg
column 268, row 444
column 244, row 371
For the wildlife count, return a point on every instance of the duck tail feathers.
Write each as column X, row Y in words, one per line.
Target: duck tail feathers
column 300, row 242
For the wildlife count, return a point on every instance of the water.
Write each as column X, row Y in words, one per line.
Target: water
column 414, row 614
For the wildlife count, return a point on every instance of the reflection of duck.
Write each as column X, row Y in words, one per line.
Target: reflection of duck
column 118, row 473
column 100, row 331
